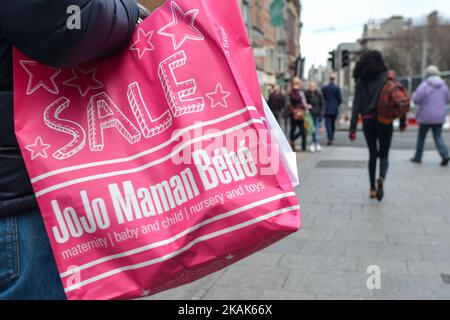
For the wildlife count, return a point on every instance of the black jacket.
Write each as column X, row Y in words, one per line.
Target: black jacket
column 315, row 99
column 366, row 98
column 38, row 28
column 277, row 102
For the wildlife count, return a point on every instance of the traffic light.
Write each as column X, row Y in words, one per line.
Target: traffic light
column 332, row 59
column 345, row 58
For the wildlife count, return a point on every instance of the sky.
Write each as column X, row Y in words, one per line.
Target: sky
column 348, row 17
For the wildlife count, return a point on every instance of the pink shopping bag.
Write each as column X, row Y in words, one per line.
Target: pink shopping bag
column 154, row 168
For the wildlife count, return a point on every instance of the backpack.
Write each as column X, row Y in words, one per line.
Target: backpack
column 394, row 101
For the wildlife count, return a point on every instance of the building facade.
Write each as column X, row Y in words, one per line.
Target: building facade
column 382, row 34
column 276, row 49
column 290, row 34
column 319, row 75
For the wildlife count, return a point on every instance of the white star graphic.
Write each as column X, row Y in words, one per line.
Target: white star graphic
column 40, row 76
column 143, row 44
column 38, row 149
column 84, row 80
column 230, row 257
column 218, row 97
column 180, row 32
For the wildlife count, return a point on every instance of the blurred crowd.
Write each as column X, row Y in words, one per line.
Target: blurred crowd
column 304, row 113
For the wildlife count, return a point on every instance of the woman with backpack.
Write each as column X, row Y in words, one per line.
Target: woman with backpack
column 371, row 75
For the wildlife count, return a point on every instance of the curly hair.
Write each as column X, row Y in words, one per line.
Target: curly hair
column 370, row 65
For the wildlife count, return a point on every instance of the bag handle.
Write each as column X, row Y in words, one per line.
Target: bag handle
column 143, row 12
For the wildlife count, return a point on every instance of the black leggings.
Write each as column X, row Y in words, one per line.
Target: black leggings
column 378, row 138
column 300, row 125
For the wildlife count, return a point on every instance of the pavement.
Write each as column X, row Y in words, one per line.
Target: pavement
column 406, row 237
column 402, row 141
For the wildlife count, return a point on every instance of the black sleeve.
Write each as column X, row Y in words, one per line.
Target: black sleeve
column 356, row 108
column 269, row 101
column 39, row 28
column 403, row 121
column 307, row 98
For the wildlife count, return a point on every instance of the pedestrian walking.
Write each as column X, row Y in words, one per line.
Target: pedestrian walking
column 277, row 102
column 432, row 99
column 314, row 98
column 371, row 76
column 297, row 108
column 333, row 99
column 27, row 266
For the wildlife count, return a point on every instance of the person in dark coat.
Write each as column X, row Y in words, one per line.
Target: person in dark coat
column 371, row 74
column 297, row 104
column 38, row 29
column 277, row 102
column 333, row 99
column 315, row 100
